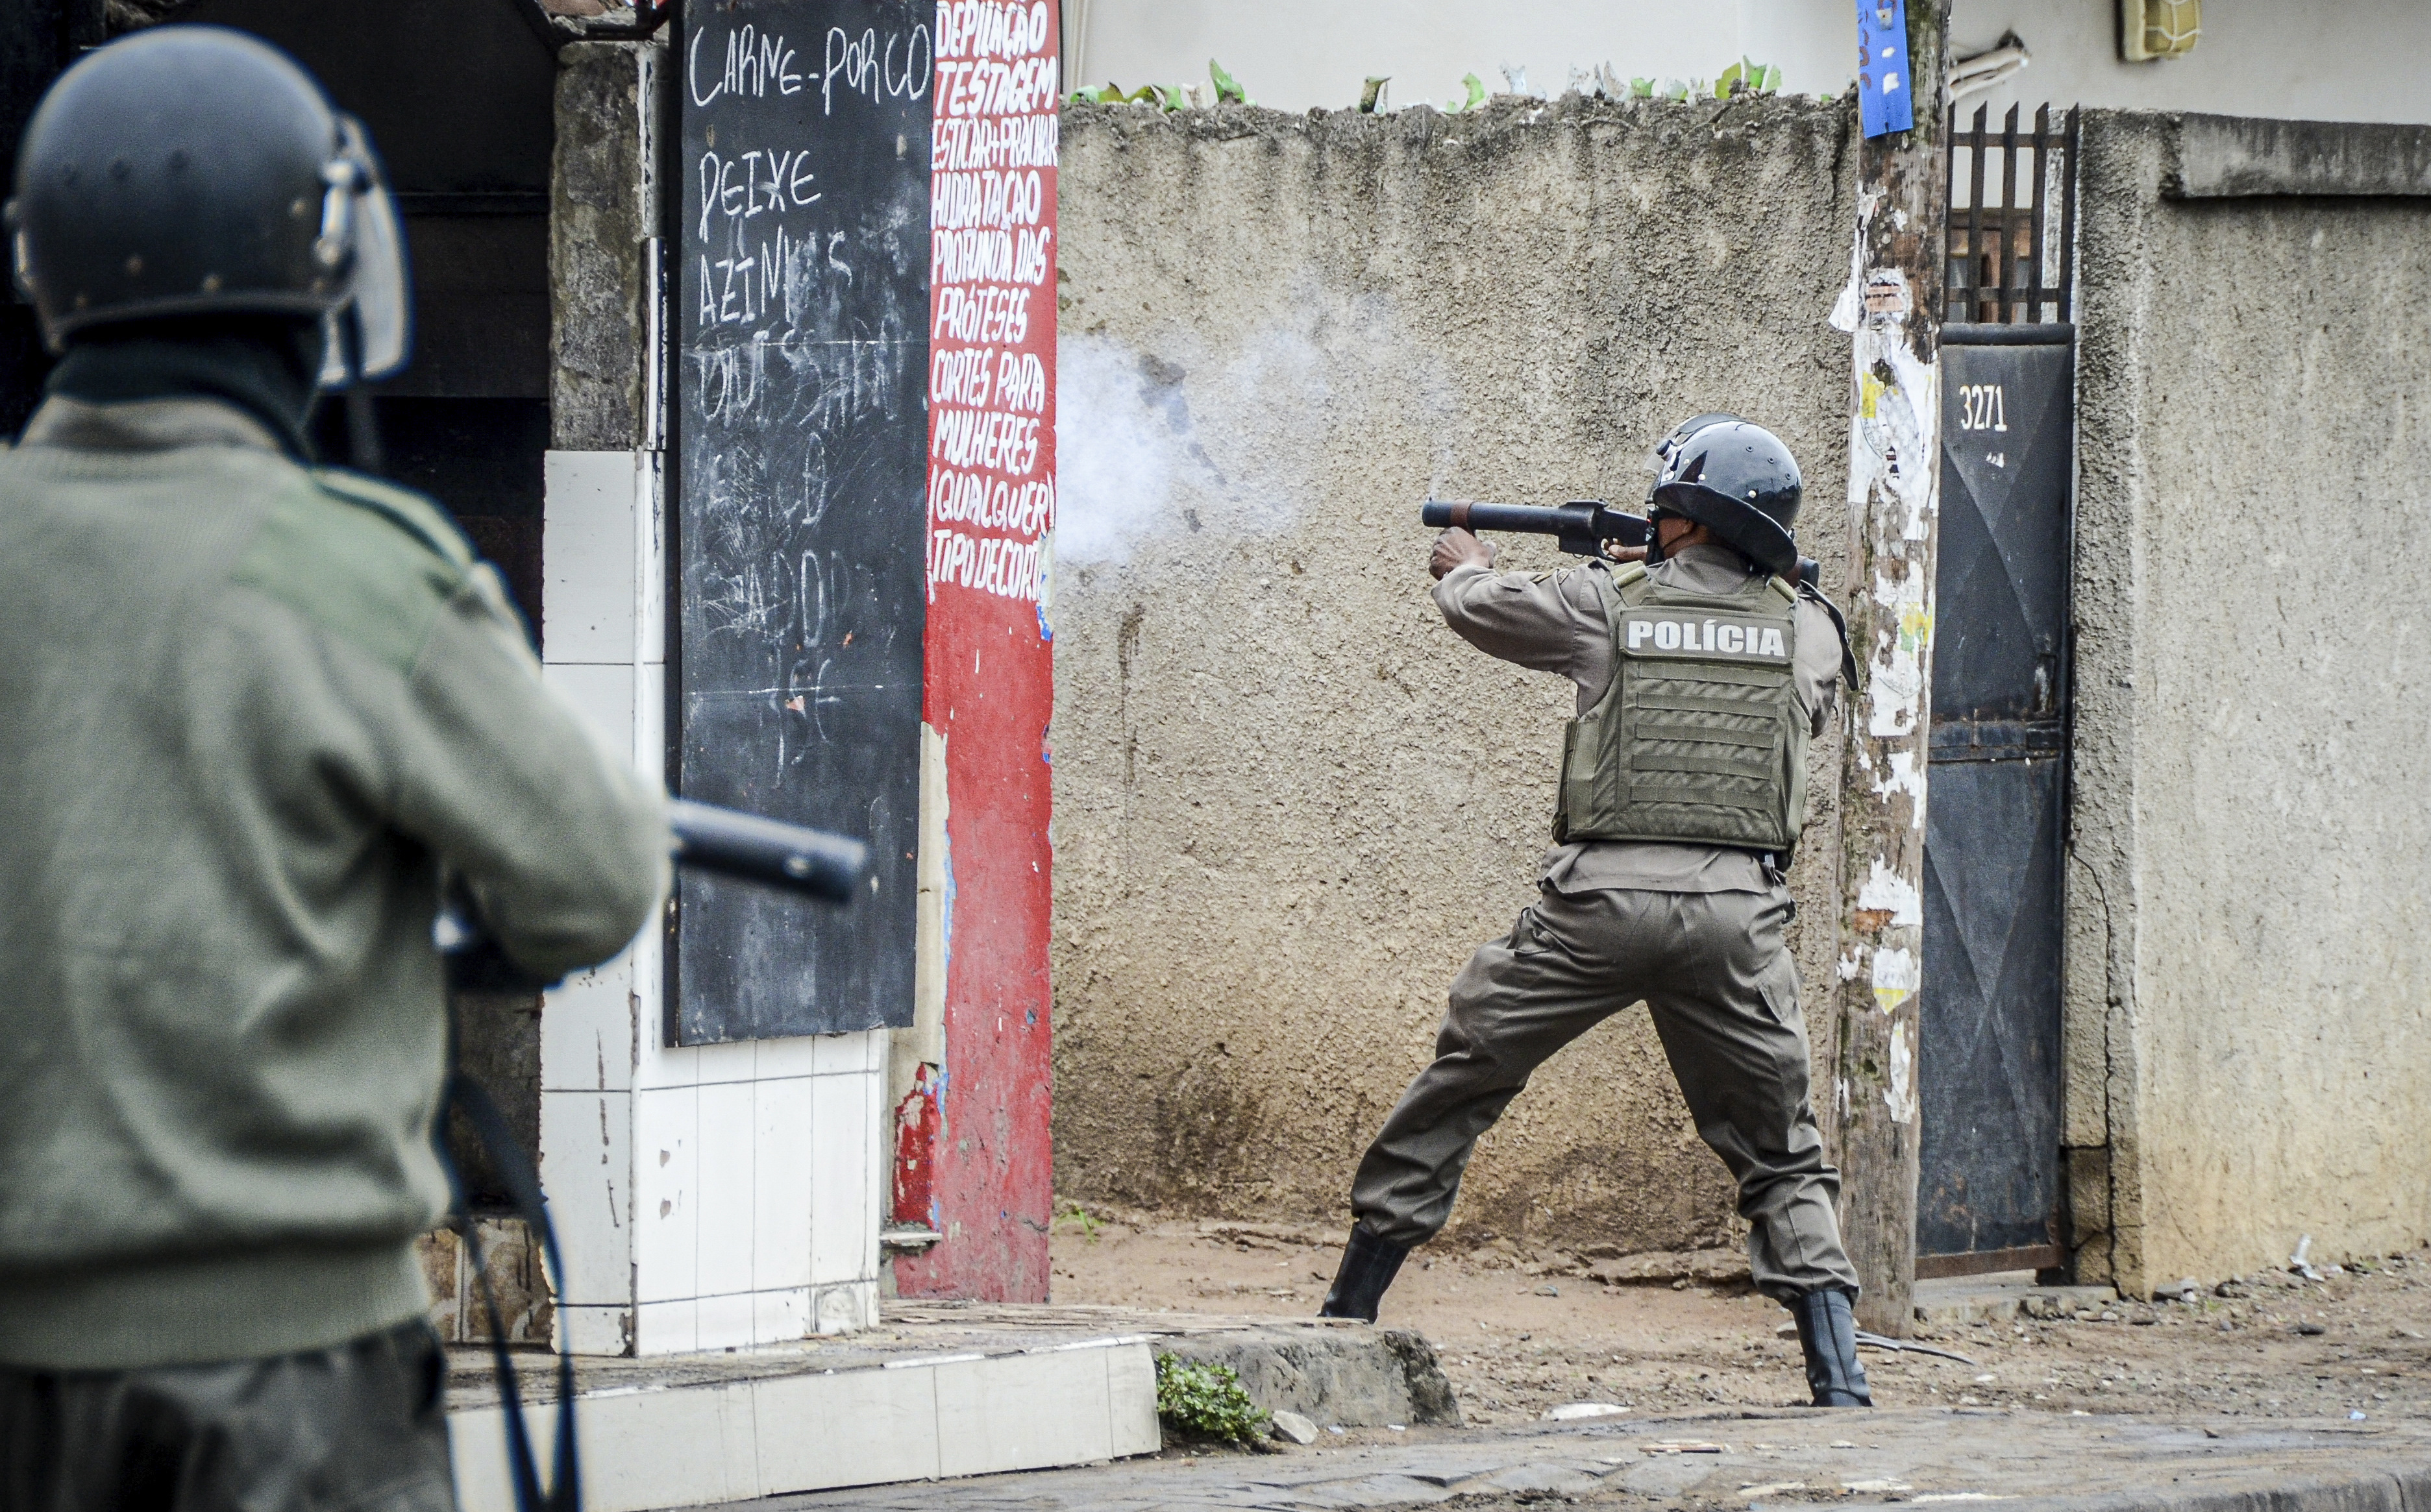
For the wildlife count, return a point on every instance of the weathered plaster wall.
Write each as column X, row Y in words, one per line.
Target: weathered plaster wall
column 602, row 210
column 2251, row 973
column 1288, row 801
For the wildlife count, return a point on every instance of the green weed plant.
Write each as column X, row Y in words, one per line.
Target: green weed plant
column 1206, row 1401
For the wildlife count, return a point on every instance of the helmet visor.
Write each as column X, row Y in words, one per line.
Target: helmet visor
column 383, row 309
column 380, row 307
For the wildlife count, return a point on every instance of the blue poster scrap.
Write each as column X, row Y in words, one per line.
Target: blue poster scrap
column 1884, row 92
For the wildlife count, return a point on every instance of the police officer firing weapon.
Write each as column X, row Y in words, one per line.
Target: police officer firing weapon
column 255, row 716
column 1703, row 673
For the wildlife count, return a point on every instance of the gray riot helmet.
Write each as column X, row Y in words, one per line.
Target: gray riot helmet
column 193, row 170
column 1738, row 480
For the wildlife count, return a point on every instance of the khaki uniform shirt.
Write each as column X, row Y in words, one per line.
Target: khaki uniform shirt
column 247, row 711
column 1555, row 621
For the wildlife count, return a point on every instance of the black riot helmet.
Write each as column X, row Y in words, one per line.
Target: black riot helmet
column 1680, row 434
column 194, row 170
column 1735, row 479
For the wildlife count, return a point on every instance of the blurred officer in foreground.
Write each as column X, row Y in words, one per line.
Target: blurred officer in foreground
column 251, row 712
column 1702, row 674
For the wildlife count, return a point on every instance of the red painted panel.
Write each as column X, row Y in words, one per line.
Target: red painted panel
column 972, row 1144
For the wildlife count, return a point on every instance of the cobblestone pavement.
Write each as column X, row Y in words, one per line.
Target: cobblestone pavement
column 1753, row 1460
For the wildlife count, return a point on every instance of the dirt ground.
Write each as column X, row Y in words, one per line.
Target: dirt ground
column 1518, row 1333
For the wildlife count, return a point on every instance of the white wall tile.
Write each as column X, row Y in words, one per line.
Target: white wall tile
column 792, row 1055
column 667, row 1327
column 726, row 1323
column 845, row 1307
column 1022, row 1411
column 852, row 1428
column 781, row 1184
column 879, row 1170
column 650, row 482
column 662, row 1065
column 601, row 694
column 656, row 1063
column 595, row 1330
column 648, row 954
column 587, row 551
column 650, row 721
column 666, row 1174
column 586, row 1030
column 736, row 1060
column 781, row 1317
column 843, row 1206
column 725, row 1189
column 586, row 1167
column 852, row 1053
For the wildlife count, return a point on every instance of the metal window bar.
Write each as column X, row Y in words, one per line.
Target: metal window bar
column 1974, row 206
column 2010, row 198
column 2067, row 220
column 2042, row 197
column 2009, row 262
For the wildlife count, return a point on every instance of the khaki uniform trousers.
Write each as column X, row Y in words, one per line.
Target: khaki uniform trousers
column 1713, row 969
column 360, row 1427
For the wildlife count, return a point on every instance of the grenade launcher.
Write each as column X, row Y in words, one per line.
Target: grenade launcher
column 1579, row 528
column 735, row 844
column 727, row 841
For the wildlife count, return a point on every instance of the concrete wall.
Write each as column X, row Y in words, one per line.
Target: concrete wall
column 1299, row 56
column 1288, row 801
column 2356, row 61
column 2249, row 999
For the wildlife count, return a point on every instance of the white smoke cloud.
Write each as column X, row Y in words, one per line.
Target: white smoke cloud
column 1134, row 432
column 1115, row 456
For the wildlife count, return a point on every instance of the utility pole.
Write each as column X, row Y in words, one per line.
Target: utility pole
column 1892, row 311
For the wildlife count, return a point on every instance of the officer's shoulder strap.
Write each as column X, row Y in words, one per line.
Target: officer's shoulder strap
column 414, row 514
column 364, row 560
column 1628, row 576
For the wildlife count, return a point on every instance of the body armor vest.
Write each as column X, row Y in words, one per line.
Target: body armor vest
column 1700, row 738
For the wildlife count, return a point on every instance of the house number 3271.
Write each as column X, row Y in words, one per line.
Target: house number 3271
column 1982, row 407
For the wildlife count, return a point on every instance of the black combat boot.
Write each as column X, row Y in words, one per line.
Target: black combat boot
column 1827, row 1333
column 1368, row 1266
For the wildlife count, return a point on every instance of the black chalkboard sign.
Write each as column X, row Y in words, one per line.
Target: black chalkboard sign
column 802, row 308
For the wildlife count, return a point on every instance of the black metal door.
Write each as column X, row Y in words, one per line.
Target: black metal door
column 1990, row 1059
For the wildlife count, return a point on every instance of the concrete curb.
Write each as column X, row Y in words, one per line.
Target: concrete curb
column 915, row 1417
column 1769, row 1461
column 2406, row 1488
column 1346, row 1375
